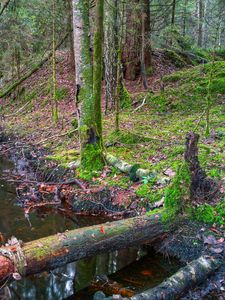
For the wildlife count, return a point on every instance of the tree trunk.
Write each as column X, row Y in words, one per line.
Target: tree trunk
column 57, row 250
column 132, row 47
column 88, row 84
column 147, row 30
column 111, row 52
column 4, row 6
column 185, row 17
column 188, row 277
column 70, row 30
column 173, row 12
column 200, row 22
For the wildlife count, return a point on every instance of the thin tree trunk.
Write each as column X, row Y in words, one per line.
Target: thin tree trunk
column 55, row 115
column 35, row 69
column 70, row 27
column 185, row 17
column 200, row 22
column 173, row 12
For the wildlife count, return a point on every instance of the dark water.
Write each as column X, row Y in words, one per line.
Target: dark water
column 128, row 268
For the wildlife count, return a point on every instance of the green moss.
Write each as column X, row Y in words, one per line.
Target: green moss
column 159, row 102
column 61, row 93
column 125, row 98
column 209, row 214
column 175, row 58
column 64, row 157
column 177, row 194
column 204, row 213
column 74, row 123
column 91, row 161
column 145, row 191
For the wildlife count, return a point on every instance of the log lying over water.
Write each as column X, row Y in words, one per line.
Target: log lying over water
column 62, row 248
column 188, row 277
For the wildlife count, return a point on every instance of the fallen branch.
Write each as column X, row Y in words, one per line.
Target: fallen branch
column 19, row 110
column 188, row 277
column 62, row 183
column 4, row 6
column 34, row 206
column 57, row 250
column 140, row 106
column 125, row 167
column 35, row 69
column 55, row 136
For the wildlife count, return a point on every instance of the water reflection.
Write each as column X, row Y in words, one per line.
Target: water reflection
column 71, row 281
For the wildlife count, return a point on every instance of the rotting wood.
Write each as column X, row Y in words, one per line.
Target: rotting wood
column 202, row 187
column 12, row 87
column 188, row 277
column 125, row 167
column 57, row 250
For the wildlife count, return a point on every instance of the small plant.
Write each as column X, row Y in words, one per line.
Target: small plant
column 204, row 213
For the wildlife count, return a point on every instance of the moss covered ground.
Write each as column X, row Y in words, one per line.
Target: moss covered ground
column 152, row 136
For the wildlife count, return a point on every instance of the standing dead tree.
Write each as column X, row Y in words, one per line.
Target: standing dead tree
column 202, row 187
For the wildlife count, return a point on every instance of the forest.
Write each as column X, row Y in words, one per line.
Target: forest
column 112, row 149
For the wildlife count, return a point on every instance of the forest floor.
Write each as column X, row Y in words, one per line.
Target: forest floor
column 152, row 136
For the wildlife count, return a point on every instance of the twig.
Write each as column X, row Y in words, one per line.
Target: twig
column 74, row 181
column 19, row 110
column 27, row 210
column 55, row 136
column 140, row 106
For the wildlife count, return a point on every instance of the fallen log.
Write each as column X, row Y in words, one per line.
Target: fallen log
column 57, row 250
column 188, row 277
column 125, row 167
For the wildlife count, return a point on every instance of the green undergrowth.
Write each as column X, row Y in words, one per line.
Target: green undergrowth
column 64, row 157
column 211, row 214
column 187, row 89
column 154, row 136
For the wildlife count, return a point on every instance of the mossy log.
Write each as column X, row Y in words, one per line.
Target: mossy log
column 57, row 250
column 17, row 83
column 188, row 277
column 125, row 167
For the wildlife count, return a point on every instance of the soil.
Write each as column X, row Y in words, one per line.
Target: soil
column 25, row 146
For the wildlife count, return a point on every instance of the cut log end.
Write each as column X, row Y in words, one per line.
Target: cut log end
column 6, row 268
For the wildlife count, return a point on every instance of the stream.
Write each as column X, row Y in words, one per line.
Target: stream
column 133, row 269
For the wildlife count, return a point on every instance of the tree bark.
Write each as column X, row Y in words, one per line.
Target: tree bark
column 111, row 52
column 188, row 277
column 203, row 188
column 88, row 84
column 173, row 12
column 60, row 249
column 132, row 47
column 200, row 22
